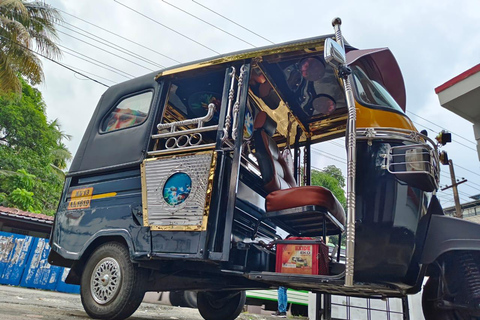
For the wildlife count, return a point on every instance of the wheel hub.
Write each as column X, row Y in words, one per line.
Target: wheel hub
column 105, row 281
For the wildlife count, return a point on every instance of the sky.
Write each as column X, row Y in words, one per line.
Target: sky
column 432, row 40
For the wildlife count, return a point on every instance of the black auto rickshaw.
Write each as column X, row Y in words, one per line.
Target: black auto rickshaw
column 185, row 177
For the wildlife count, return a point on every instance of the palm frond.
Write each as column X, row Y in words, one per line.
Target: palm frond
column 8, row 77
column 25, row 28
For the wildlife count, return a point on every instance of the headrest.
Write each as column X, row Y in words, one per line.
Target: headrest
column 263, row 121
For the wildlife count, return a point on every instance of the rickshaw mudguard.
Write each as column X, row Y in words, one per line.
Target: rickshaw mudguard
column 449, row 234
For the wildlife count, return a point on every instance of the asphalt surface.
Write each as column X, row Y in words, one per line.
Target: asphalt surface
column 20, row 303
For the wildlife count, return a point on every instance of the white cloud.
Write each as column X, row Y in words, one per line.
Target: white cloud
column 433, row 41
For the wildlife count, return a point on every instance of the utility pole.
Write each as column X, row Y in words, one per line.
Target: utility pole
column 456, row 198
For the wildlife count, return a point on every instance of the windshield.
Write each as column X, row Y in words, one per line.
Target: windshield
column 370, row 92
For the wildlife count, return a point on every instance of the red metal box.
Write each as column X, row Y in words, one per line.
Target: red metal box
column 302, row 256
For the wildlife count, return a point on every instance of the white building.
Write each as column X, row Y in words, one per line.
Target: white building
column 461, row 95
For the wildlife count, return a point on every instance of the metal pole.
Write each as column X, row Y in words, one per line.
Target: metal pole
column 327, row 306
column 405, row 308
column 458, row 208
column 351, row 164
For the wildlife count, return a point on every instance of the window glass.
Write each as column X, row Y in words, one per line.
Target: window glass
column 371, row 92
column 188, row 98
column 129, row 112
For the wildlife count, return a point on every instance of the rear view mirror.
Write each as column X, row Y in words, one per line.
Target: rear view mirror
column 334, row 54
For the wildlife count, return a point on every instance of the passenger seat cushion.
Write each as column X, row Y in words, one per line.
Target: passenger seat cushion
column 304, row 196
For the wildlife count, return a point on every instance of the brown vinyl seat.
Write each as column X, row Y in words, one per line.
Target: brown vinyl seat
column 307, row 210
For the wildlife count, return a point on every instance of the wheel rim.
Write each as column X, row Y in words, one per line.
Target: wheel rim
column 105, row 281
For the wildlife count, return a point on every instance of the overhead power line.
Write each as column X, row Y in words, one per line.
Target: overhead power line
column 109, row 44
column 210, row 24
column 416, row 115
column 97, row 63
column 167, row 27
column 87, row 72
column 330, row 156
column 432, row 130
column 473, row 172
column 54, row 61
column 237, row 24
column 113, row 54
column 120, row 36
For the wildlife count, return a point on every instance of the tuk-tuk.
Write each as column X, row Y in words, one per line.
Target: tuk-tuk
column 185, row 179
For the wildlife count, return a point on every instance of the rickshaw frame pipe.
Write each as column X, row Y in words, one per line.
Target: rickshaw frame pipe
column 351, row 164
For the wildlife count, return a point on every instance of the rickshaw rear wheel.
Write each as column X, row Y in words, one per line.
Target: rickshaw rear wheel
column 431, row 309
column 111, row 287
column 220, row 305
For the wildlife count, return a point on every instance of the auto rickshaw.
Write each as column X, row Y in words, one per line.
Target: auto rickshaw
column 186, row 177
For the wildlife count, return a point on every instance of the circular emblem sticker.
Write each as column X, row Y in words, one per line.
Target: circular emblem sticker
column 177, row 188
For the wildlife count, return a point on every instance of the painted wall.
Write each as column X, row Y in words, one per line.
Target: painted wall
column 23, row 262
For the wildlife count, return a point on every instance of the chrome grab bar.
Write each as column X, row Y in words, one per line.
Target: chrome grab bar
column 185, row 139
column 198, row 121
column 228, row 117
column 236, row 106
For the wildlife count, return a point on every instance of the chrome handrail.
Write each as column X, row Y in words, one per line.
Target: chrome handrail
column 394, row 133
column 198, row 121
column 187, row 139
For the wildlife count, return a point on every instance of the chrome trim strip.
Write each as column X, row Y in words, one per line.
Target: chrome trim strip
column 184, row 132
column 195, row 147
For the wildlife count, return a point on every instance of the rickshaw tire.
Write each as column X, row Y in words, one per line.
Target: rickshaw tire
column 104, row 263
column 211, row 306
column 430, row 309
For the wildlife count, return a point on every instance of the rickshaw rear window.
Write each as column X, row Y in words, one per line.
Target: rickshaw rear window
column 370, row 92
column 188, row 98
column 129, row 112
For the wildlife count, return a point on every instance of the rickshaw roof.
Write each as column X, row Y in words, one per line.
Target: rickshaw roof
column 313, row 42
column 270, row 59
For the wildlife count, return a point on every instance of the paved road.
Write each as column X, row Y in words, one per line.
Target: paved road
column 21, row 304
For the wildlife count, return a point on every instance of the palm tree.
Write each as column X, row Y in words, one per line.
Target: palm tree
column 60, row 153
column 25, row 28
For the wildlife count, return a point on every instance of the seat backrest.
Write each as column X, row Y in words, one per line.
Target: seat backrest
column 276, row 173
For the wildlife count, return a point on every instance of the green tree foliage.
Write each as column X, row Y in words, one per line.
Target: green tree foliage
column 32, row 154
column 332, row 178
column 25, row 28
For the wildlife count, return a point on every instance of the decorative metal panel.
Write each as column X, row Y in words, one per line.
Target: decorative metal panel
column 177, row 190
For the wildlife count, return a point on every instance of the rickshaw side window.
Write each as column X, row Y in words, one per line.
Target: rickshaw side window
column 129, row 112
column 188, row 98
column 371, row 92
